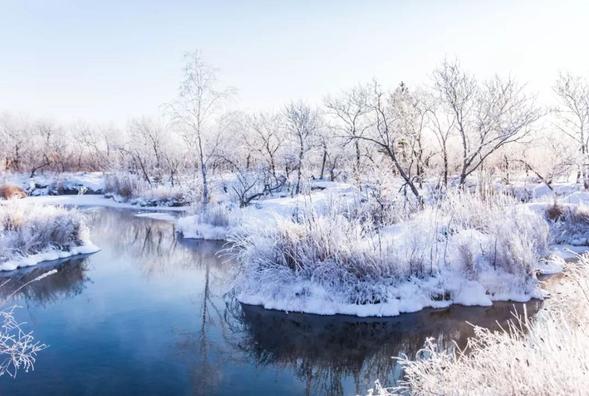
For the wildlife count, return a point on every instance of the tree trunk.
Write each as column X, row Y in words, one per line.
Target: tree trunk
column 323, row 162
column 205, row 183
column 300, row 167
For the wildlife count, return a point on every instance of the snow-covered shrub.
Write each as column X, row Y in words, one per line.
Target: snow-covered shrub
column 381, row 206
column 463, row 250
column 544, row 356
column 512, row 237
column 569, row 223
column 163, row 195
column 212, row 222
column 18, row 348
column 32, row 233
column 123, row 184
column 75, row 183
column 130, row 188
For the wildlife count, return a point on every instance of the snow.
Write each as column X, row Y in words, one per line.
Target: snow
column 567, row 253
column 49, row 254
column 31, row 234
column 267, row 210
column 55, row 184
column 157, row 216
column 95, row 201
column 190, row 227
column 466, row 252
column 461, row 244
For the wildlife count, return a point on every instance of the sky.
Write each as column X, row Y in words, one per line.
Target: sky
column 112, row 60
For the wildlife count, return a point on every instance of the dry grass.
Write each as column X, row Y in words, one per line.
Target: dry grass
column 123, row 184
column 10, row 191
column 27, row 229
column 570, row 223
column 543, row 356
column 361, row 262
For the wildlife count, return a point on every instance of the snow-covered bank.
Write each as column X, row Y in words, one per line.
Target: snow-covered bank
column 30, row 234
column 213, row 223
column 93, row 201
column 122, row 189
column 546, row 356
column 220, row 221
column 464, row 251
column 69, row 183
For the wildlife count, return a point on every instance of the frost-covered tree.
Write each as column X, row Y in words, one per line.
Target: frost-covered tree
column 349, row 116
column 15, row 133
column 265, row 136
column 393, row 131
column 572, row 116
column 199, row 102
column 485, row 115
column 302, row 125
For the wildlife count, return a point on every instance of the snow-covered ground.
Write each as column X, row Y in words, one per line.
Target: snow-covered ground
column 58, row 184
column 323, row 253
column 465, row 252
column 30, row 234
column 95, row 201
column 123, row 189
column 303, row 253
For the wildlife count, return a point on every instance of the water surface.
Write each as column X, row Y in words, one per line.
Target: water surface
column 150, row 314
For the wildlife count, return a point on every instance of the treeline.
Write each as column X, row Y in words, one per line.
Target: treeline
column 442, row 132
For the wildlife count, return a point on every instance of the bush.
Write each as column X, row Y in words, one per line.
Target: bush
column 570, row 223
column 18, row 349
column 546, row 356
column 212, row 222
column 27, row 230
column 123, row 184
column 464, row 247
column 130, row 188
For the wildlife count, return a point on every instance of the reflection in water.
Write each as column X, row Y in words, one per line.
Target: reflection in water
column 155, row 242
column 45, row 283
column 149, row 303
column 325, row 350
column 161, row 252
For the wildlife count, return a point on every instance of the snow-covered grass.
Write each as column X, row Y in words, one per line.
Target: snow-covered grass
column 50, row 183
column 126, row 187
column 462, row 250
column 213, row 222
column 122, row 184
column 569, row 223
column 543, row 356
column 32, row 233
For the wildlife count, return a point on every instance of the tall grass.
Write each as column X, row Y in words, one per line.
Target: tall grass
column 128, row 187
column 354, row 260
column 570, row 223
column 544, row 356
column 27, row 229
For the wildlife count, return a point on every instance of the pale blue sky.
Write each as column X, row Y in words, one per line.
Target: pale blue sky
column 111, row 60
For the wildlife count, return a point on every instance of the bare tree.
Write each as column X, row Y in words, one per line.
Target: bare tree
column 198, row 102
column 267, row 138
column 486, row 116
column 442, row 124
column 302, row 123
column 389, row 130
column 410, row 111
column 16, row 137
column 573, row 117
column 350, row 112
